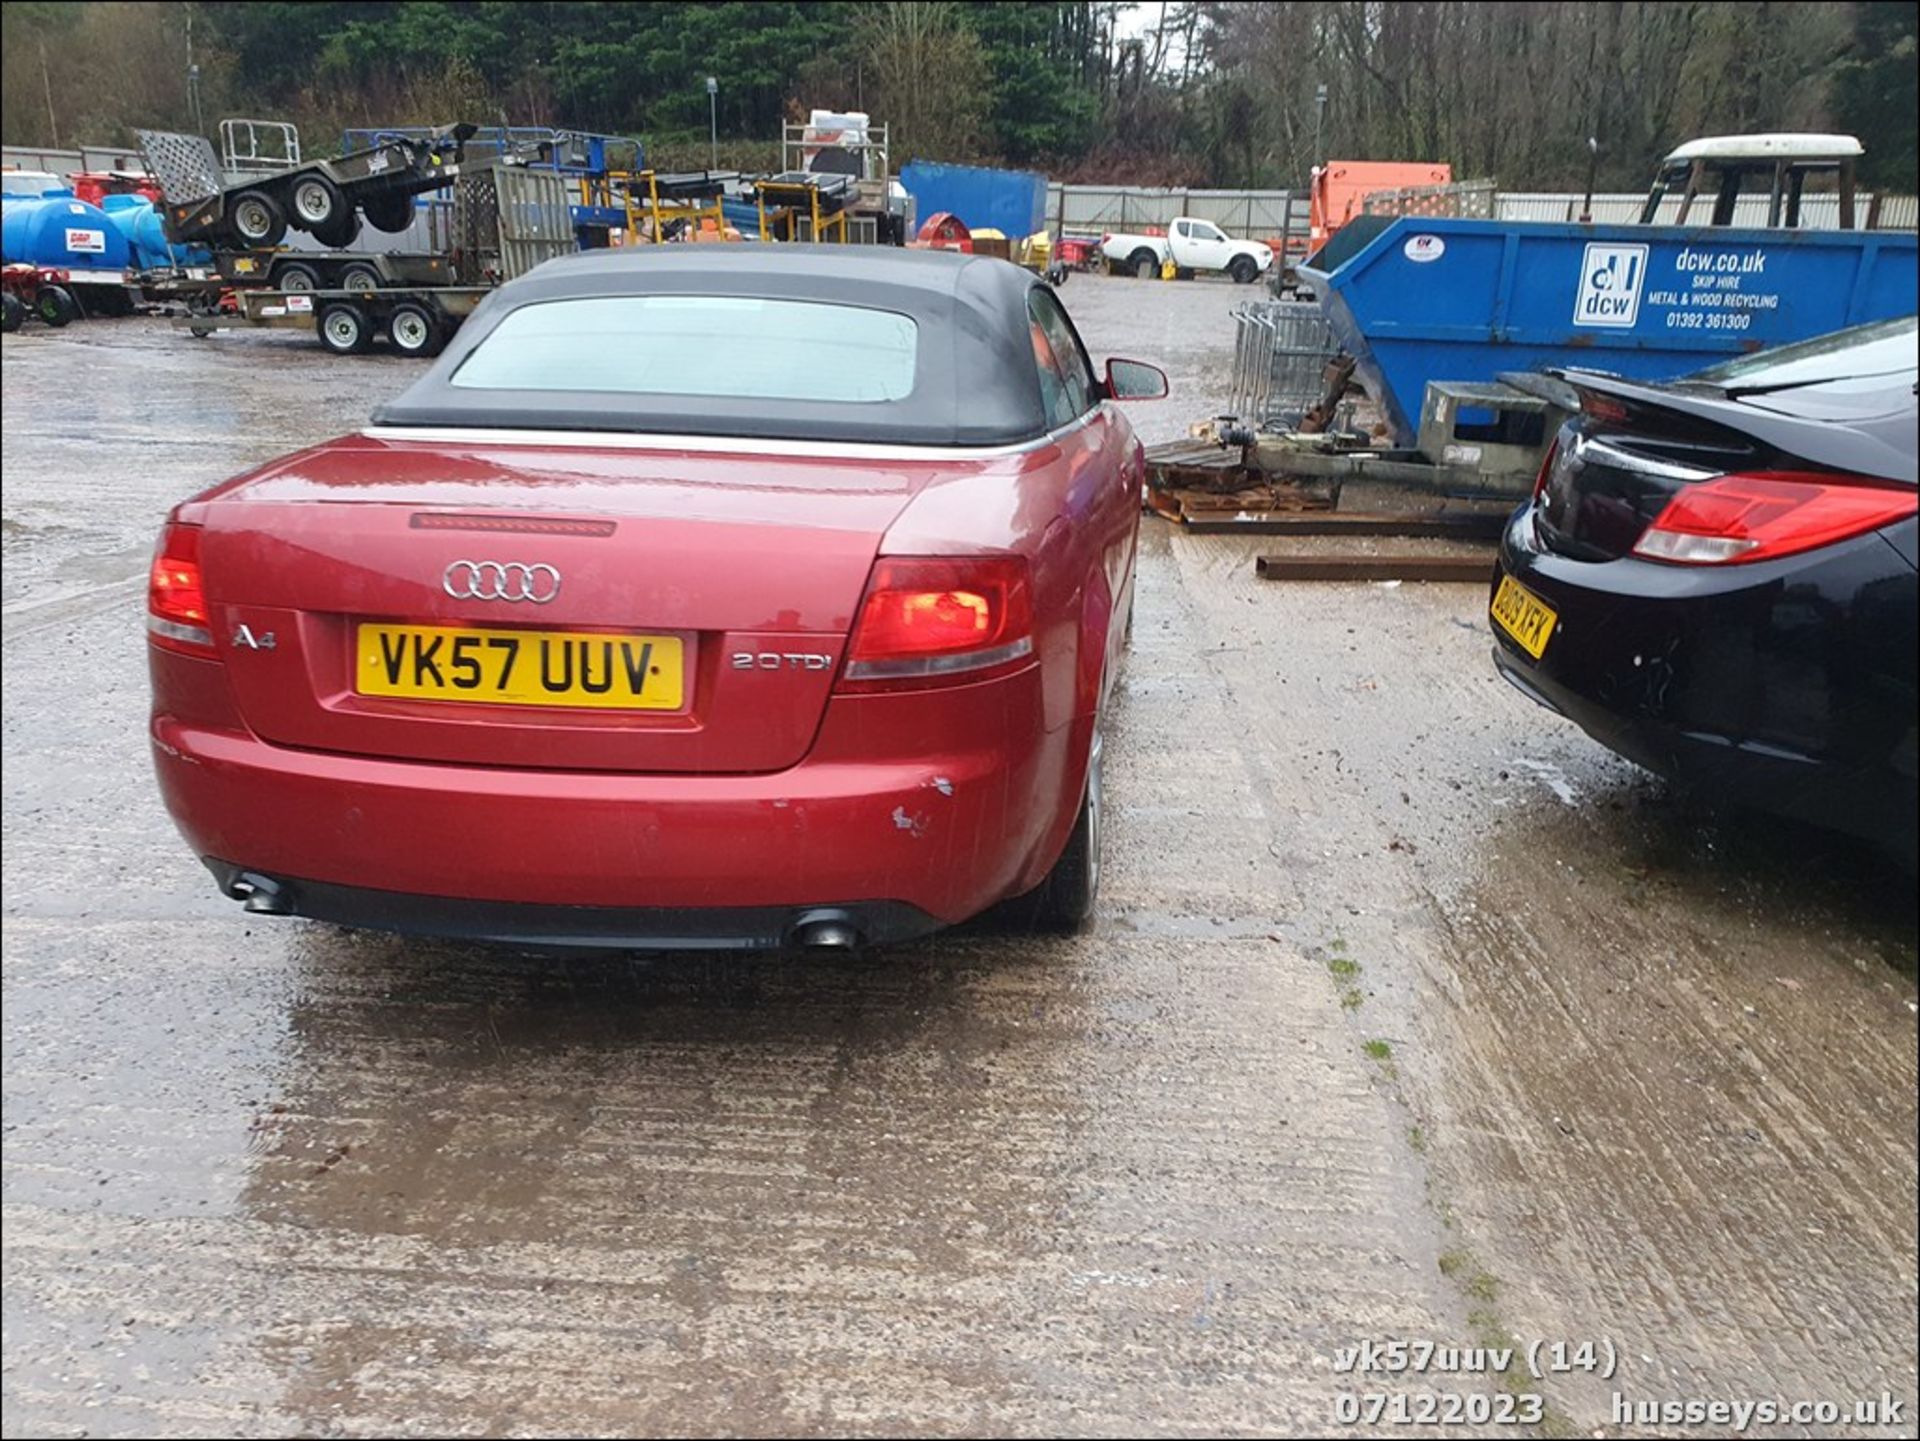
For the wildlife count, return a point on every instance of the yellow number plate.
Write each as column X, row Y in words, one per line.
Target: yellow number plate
column 1523, row 615
column 521, row 667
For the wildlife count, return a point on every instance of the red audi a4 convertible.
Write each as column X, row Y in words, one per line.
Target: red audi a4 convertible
column 702, row 596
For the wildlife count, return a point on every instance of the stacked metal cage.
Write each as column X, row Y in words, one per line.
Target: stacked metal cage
column 1280, row 357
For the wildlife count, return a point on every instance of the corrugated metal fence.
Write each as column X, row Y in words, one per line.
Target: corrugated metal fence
column 1817, row 212
column 1262, row 214
column 69, row 162
column 1096, row 209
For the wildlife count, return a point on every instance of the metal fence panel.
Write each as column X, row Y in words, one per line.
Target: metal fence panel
column 1900, row 212
column 536, row 218
column 1248, row 214
column 1261, row 214
column 69, row 162
column 1817, row 212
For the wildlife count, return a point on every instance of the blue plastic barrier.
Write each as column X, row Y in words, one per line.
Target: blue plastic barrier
column 1420, row 299
column 1014, row 202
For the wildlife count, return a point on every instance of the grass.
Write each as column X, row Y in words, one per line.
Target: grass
column 1346, row 974
column 1490, row 1331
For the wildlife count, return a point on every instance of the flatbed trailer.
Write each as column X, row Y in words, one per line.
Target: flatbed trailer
column 317, row 270
column 508, row 219
column 325, row 198
column 417, row 320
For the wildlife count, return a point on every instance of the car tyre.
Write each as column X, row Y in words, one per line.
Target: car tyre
column 1065, row 901
column 389, row 213
column 13, row 312
column 297, row 279
column 1243, row 269
column 339, row 233
column 1145, row 265
column 55, row 305
column 345, row 328
column 256, row 220
column 316, row 203
column 414, row 330
column 359, row 277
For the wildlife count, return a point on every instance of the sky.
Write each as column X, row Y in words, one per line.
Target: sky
column 1139, row 19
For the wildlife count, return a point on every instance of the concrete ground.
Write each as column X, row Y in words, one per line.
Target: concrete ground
column 1410, row 1014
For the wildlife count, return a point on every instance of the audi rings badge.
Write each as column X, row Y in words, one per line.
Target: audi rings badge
column 508, row 580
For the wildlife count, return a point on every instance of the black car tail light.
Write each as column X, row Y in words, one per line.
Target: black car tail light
column 1737, row 519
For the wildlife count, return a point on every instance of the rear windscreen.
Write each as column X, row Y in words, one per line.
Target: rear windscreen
column 699, row 345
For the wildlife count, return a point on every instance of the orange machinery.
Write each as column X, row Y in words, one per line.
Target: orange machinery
column 1340, row 189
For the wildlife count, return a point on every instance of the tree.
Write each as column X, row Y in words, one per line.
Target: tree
column 927, row 78
column 1874, row 92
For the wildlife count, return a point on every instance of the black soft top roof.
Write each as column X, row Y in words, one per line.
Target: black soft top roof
column 974, row 377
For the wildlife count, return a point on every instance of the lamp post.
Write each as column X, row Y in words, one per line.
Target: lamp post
column 1319, row 119
column 713, row 123
column 193, row 80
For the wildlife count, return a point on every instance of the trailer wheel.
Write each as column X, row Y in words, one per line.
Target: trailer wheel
column 359, row 277
column 316, row 202
column 340, row 233
column 55, row 305
column 414, row 330
column 1243, row 269
column 257, row 219
column 1144, row 264
column 297, row 279
column 345, row 329
column 13, row 314
column 391, row 213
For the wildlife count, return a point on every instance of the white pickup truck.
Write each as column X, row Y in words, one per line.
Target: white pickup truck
column 1192, row 246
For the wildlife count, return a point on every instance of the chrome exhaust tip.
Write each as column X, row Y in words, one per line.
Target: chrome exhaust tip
column 826, row 931
column 260, row 894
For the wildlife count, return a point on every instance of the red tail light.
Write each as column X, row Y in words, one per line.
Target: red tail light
column 1546, row 469
column 1735, row 519
column 1605, row 408
column 925, row 620
column 176, row 594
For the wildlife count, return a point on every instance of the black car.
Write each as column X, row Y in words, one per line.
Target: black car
column 1715, row 578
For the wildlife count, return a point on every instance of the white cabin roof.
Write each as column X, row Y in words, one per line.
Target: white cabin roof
column 1768, row 147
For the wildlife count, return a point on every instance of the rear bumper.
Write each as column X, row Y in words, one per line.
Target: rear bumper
column 742, row 928
column 901, row 845
column 1786, row 687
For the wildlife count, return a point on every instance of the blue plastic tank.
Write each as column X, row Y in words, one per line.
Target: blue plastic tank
column 139, row 221
column 1417, row 299
column 62, row 232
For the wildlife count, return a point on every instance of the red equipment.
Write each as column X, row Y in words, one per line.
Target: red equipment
column 944, row 230
column 93, row 186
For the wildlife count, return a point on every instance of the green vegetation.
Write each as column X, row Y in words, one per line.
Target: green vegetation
column 1194, row 92
column 1346, row 972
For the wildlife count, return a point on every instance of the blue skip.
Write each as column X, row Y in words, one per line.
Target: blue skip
column 1415, row 299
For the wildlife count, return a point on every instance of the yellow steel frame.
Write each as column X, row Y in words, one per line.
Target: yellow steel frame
column 640, row 193
column 808, row 197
